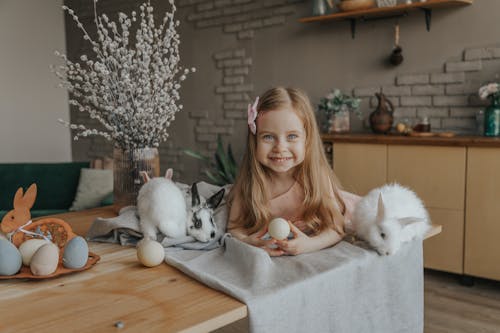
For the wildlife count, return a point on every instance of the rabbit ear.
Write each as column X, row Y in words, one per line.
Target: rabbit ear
column 169, row 173
column 195, row 197
column 380, row 209
column 215, row 200
column 406, row 221
column 27, row 200
column 144, row 176
column 18, row 198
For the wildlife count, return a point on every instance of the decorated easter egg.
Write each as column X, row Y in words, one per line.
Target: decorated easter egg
column 279, row 228
column 76, row 253
column 10, row 258
column 150, row 253
column 29, row 247
column 45, row 260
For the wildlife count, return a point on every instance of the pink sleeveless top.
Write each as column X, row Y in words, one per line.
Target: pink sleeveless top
column 289, row 204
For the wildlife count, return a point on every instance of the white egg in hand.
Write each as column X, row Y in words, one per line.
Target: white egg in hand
column 150, row 253
column 279, row 228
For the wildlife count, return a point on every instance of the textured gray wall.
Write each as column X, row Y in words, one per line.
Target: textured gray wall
column 243, row 47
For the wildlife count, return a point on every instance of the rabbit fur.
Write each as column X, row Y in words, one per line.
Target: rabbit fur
column 162, row 207
column 389, row 216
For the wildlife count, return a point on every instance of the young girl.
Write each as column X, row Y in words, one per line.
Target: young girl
column 285, row 174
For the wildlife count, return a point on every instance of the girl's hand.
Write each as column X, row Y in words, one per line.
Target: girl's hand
column 297, row 245
column 269, row 245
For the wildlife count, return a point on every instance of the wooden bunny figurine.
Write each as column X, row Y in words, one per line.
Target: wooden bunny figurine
column 18, row 226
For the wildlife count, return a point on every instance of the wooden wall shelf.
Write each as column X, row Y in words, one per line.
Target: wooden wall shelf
column 381, row 12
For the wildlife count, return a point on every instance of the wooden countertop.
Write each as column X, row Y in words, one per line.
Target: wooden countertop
column 117, row 288
column 393, row 139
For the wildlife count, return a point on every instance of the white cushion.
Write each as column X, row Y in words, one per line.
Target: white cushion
column 94, row 186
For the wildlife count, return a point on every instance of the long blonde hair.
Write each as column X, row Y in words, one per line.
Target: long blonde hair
column 314, row 173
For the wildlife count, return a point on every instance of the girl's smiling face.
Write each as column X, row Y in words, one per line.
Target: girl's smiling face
column 281, row 140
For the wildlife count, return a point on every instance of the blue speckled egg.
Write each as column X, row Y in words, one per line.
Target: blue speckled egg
column 76, row 253
column 10, row 258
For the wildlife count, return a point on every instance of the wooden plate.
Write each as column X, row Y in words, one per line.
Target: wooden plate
column 25, row 272
column 423, row 134
column 446, row 134
column 428, row 134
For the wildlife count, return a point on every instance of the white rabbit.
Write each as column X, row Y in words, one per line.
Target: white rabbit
column 162, row 207
column 389, row 216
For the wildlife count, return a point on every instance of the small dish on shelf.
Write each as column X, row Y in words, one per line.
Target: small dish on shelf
column 421, row 134
column 351, row 5
column 428, row 134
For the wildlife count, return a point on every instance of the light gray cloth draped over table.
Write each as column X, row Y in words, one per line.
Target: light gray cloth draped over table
column 343, row 289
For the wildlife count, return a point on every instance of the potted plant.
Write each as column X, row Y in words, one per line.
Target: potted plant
column 337, row 107
column 223, row 166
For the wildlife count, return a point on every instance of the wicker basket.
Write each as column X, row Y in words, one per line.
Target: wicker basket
column 386, row 3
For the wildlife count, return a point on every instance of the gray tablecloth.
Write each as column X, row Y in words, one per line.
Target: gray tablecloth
column 341, row 289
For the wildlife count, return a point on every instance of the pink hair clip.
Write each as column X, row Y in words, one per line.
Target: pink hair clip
column 252, row 115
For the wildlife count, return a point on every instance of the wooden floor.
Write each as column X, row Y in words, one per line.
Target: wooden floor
column 449, row 306
column 454, row 308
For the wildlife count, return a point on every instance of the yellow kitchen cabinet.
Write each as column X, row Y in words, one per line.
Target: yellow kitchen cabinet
column 482, row 231
column 458, row 180
column 360, row 167
column 445, row 251
column 437, row 175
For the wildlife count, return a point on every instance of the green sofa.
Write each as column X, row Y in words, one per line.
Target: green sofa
column 56, row 185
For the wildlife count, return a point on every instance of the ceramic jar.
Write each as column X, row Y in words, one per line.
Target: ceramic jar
column 381, row 119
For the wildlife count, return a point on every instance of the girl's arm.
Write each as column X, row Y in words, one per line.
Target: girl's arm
column 240, row 233
column 301, row 243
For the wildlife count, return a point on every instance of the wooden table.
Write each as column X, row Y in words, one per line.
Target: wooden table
column 117, row 288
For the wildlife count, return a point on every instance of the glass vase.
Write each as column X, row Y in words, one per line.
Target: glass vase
column 340, row 121
column 127, row 180
column 319, row 7
column 492, row 117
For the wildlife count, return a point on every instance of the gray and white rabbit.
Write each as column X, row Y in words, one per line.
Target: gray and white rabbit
column 389, row 216
column 162, row 207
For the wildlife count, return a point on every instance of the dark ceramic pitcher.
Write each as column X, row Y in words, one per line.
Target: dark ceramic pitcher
column 381, row 119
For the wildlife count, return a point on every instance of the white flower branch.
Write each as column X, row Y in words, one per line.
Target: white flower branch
column 132, row 90
column 488, row 90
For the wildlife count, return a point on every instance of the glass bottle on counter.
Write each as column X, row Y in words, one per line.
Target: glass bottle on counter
column 423, row 125
column 492, row 117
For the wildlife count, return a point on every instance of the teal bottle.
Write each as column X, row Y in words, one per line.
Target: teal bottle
column 492, row 117
column 319, row 7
